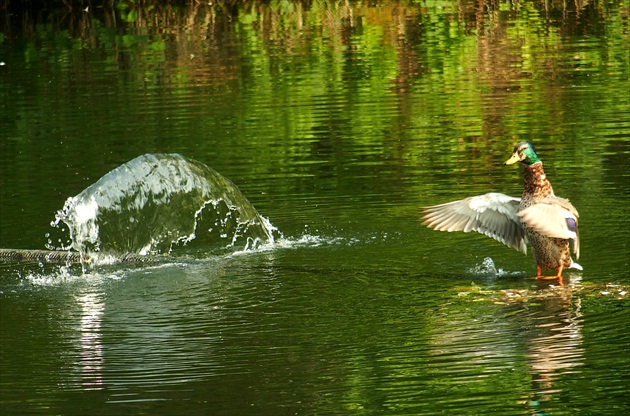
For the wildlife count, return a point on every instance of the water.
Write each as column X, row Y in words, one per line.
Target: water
column 155, row 201
column 336, row 122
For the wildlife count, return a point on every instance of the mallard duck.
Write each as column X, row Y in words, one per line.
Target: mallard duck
column 538, row 218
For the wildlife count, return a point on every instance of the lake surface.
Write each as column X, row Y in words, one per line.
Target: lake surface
column 337, row 122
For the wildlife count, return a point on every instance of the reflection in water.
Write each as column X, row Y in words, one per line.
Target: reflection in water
column 344, row 118
column 484, row 350
column 555, row 346
column 90, row 339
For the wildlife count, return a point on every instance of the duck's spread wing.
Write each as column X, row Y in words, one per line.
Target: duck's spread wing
column 554, row 217
column 491, row 214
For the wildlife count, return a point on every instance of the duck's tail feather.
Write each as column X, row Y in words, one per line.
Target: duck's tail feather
column 574, row 265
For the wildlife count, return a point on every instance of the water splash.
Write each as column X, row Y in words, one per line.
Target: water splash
column 156, row 201
column 489, row 269
column 486, row 268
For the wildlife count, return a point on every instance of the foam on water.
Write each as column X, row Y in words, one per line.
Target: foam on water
column 290, row 243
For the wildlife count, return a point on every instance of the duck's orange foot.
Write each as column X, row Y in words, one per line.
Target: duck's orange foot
column 558, row 275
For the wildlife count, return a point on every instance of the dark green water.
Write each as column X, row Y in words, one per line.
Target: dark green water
column 337, row 122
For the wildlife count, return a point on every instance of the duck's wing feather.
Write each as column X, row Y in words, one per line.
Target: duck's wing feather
column 492, row 214
column 553, row 217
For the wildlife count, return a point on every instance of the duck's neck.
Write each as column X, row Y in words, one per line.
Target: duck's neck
column 536, row 185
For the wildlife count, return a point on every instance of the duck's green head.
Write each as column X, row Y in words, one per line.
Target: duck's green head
column 523, row 152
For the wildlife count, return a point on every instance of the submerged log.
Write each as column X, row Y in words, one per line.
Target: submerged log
column 52, row 256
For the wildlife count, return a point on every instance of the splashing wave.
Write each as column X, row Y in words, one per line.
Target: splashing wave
column 154, row 202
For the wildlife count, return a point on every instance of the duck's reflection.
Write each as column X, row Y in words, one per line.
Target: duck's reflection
column 496, row 332
column 555, row 341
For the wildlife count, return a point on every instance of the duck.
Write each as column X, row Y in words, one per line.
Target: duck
column 539, row 218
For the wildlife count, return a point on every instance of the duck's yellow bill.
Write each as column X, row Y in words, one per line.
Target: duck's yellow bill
column 515, row 158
